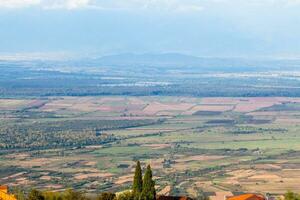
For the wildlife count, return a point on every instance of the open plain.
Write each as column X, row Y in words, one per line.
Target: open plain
column 217, row 145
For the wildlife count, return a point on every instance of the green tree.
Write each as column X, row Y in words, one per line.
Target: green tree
column 200, row 195
column 19, row 193
column 137, row 181
column 53, row 195
column 106, row 196
column 35, row 195
column 148, row 192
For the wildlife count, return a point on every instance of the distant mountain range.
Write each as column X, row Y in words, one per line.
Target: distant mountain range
column 166, row 59
column 163, row 61
column 175, row 60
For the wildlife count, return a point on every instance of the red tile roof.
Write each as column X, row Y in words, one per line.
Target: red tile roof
column 247, row 197
column 3, row 187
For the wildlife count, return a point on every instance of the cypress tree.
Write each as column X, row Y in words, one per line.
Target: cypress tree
column 137, row 181
column 148, row 192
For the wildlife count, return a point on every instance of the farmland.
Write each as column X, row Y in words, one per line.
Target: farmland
column 91, row 143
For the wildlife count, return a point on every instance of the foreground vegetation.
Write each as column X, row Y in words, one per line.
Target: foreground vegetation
column 70, row 194
column 142, row 189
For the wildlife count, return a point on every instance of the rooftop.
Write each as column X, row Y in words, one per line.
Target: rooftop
column 247, row 197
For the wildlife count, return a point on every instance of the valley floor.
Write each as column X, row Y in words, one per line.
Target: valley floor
column 212, row 144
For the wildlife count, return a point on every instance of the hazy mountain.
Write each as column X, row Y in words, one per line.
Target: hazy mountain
column 167, row 59
column 175, row 60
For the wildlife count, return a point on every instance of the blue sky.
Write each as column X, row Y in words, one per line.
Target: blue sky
column 197, row 27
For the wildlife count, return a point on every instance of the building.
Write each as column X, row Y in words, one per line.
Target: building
column 4, row 195
column 248, row 196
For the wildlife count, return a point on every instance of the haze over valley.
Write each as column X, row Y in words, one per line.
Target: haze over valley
column 148, row 99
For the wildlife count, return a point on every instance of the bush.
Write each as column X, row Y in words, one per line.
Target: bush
column 291, row 196
column 35, row 195
column 125, row 196
column 106, row 196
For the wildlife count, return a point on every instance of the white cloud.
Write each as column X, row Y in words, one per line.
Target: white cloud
column 185, row 6
column 18, row 3
column 45, row 4
column 293, row 2
column 65, row 4
column 189, row 8
column 158, row 5
column 170, row 5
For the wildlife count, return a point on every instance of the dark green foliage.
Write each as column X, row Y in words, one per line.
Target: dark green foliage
column 106, row 196
column 19, row 193
column 137, row 181
column 35, row 195
column 291, row 196
column 201, row 196
column 67, row 195
column 148, row 192
column 64, row 133
column 53, row 195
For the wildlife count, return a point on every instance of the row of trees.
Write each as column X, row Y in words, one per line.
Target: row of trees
column 35, row 194
column 64, row 133
column 142, row 189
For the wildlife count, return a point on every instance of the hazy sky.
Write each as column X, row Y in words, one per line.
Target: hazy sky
column 197, row 27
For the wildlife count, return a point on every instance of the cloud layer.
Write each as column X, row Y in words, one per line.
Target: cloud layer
column 159, row 5
column 18, row 3
column 200, row 27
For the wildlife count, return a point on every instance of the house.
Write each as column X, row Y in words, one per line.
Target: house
column 4, row 195
column 248, row 196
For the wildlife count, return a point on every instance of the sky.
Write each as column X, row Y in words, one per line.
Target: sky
column 218, row 28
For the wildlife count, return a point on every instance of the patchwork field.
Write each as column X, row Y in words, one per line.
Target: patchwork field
column 217, row 145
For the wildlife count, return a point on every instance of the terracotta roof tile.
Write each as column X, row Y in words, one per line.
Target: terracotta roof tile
column 247, row 197
column 3, row 187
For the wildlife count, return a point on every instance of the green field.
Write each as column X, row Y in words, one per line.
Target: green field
column 92, row 143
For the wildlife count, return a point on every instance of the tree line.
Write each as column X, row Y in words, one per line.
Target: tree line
column 64, row 133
